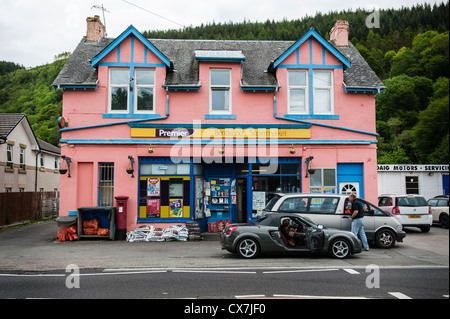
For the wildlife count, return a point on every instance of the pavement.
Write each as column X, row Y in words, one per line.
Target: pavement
column 34, row 248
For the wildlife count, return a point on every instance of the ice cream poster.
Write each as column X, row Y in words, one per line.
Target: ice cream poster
column 176, row 208
column 153, row 187
column 153, row 208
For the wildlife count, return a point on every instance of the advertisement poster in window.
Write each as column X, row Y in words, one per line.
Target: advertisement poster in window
column 176, row 208
column 153, row 208
column 199, row 197
column 153, row 187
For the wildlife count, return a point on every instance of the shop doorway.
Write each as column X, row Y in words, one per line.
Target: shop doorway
column 241, row 200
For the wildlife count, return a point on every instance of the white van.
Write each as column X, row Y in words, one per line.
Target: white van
column 332, row 211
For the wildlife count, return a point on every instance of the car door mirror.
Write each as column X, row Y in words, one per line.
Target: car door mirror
column 320, row 227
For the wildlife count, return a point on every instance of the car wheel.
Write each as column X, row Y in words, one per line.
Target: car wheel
column 340, row 248
column 385, row 238
column 425, row 229
column 443, row 220
column 248, row 248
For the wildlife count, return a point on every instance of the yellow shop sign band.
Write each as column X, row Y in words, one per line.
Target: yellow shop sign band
column 232, row 133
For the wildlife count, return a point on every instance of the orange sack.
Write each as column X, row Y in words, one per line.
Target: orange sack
column 91, row 224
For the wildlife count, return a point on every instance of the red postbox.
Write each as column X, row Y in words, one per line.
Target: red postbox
column 121, row 217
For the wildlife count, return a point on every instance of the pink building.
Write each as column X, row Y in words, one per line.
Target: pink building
column 210, row 130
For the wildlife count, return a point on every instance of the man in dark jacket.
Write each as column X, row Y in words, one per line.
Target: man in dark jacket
column 357, row 219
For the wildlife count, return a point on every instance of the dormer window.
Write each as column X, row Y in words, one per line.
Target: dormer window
column 298, row 92
column 119, row 86
column 137, row 90
column 145, row 84
column 220, row 91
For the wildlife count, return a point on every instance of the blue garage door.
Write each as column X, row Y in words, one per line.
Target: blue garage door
column 350, row 175
column 445, row 183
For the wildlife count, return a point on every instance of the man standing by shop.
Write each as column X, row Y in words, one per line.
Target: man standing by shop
column 357, row 219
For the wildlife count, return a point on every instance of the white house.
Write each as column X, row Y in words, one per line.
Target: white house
column 426, row 180
column 27, row 164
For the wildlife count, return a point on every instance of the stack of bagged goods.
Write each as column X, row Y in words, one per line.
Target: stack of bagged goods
column 150, row 233
column 91, row 227
column 194, row 231
column 68, row 233
column 176, row 232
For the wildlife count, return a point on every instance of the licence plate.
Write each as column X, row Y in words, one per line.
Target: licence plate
column 415, row 216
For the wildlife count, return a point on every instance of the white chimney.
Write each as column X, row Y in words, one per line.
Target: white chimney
column 339, row 33
column 95, row 29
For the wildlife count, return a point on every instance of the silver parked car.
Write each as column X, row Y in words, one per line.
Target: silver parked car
column 265, row 236
column 333, row 211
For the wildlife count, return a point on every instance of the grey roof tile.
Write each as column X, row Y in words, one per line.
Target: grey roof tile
column 258, row 56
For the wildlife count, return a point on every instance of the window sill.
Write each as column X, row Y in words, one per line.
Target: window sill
column 130, row 116
column 312, row 116
column 220, row 116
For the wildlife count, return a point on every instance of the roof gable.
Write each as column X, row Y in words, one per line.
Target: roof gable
column 130, row 31
column 322, row 41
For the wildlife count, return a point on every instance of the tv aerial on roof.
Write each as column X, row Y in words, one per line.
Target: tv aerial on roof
column 103, row 9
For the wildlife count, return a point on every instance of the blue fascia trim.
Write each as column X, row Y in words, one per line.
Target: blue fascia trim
column 312, row 117
column 220, row 116
column 78, row 87
column 212, row 142
column 311, row 33
column 130, row 116
column 112, row 124
column 209, row 125
column 221, row 59
column 256, row 88
column 131, row 30
column 363, row 90
column 310, row 66
column 133, row 64
column 182, row 88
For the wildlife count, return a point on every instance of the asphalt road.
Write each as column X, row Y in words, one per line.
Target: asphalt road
column 243, row 283
column 34, row 265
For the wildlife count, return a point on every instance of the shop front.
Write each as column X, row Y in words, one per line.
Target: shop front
column 212, row 194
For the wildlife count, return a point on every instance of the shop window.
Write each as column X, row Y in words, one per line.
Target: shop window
column 164, row 197
column 106, row 184
column 298, row 92
column 323, row 181
column 220, row 92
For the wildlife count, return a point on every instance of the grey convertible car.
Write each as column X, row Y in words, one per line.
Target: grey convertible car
column 265, row 236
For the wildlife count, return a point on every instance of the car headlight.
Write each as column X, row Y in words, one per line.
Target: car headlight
column 399, row 228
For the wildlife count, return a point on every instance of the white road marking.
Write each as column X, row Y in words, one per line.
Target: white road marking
column 300, row 270
column 399, row 295
column 317, row 297
column 351, row 271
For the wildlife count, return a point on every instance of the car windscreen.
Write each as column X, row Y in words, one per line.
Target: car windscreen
column 271, row 203
column 411, row 201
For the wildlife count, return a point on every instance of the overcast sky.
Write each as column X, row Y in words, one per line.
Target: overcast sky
column 32, row 32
